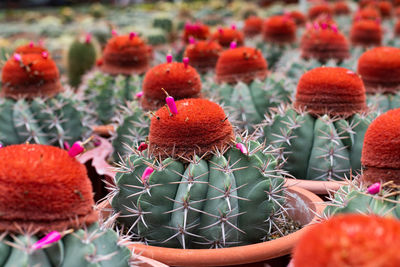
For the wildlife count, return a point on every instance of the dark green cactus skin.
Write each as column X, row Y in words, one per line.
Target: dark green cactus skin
column 354, row 199
column 273, row 52
column 133, row 130
column 250, row 102
column 320, row 148
column 105, row 94
column 81, row 58
column 164, row 23
column 44, row 121
column 383, row 102
column 93, row 247
column 230, row 199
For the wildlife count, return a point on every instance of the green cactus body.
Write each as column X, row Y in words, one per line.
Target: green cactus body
column 106, row 93
column 44, row 121
column 354, row 199
column 225, row 200
column 273, row 52
column 163, row 22
column 94, row 247
column 314, row 148
column 133, row 129
column 383, row 102
column 249, row 102
column 81, row 58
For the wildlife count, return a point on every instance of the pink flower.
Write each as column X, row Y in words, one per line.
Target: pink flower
column 242, row 148
column 171, row 104
column 51, row 237
column 143, row 146
column 17, row 57
column 146, row 174
column 139, row 95
column 45, row 55
column 186, row 61
column 88, row 38
column 374, row 188
column 169, row 58
column 132, row 35
column 76, row 149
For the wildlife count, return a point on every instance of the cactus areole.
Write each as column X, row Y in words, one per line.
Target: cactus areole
column 125, row 54
column 175, row 78
column 241, row 64
column 44, row 188
column 380, row 160
column 29, row 76
column 331, row 90
column 199, row 127
column 380, row 70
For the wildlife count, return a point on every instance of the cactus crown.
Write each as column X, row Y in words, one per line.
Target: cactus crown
column 381, row 142
column 380, row 57
column 178, row 80
column 280, row 24
column 42, row 186
column 318, row 10
column 29, row 76
column 367, row 13
column 203, row 49
column 253, row 25
column 241, row 64
column 30, row 48
column 125, row 54
column 199, row 127
column 298, row 17
column 225, row 36
column 350, row 240
column 196, row 30
column 341, row 8
column 331, row 90
column 366, row 25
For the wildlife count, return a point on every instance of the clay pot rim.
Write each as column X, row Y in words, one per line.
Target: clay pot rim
column 234, row 255
column 316, row 187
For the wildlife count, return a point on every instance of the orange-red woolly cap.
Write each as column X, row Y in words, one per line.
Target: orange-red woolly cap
column 203, row 55
column 298, row 17
column 200, row 126
column 253, row 26
column 331, row 90
column 368, row 13
column 30, row 49
column 351, row 240
column 225, row 36
column 366, row 33
column 43, row 187
column 179, row 81
column 380, row 69
column 318, row 10
column 125, row 54
column 241, row 64
column 32, row 75
column 279, row 29
column 380, row 155
column 341, row 8
column 197, row 30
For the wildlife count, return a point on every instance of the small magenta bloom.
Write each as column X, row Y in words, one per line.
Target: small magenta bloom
column 171, row 104
column 143, row 146
column 88, row 38
column 31, row 44
column 76, row 149
column 139, row 94
column 169, row 58
column 233, row 45
column 192, row 40
column 374, row 188
column 146, row 174
column 233, row 26
column 132, row 35
column 334, row 28
column 242, row 148
column 114, row 32
column 17, row 57
column 186, row 61
column 51, row 237
column 45, row 54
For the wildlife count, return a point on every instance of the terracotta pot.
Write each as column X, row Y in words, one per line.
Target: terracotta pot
column 298, row 200
column 317, row 187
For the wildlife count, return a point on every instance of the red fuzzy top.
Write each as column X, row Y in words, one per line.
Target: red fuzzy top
column 279, row 29
column 44, row 187
column 380, row 69
column 341, row 8
column 125, row 54
column 33, row 76
column 253, row 26
column 385, row 8
column 203, row 55
column 322, row 42
column 225, row 36
column 367, row 14
column 352, row 240
column 179, row 81
column 197, row 30
column 397, row 28
column 331, row 90
column 30, row 49
column 241, row 64
column 200, row 126
column 298, row 17
column 318, row 10
column 366, row 33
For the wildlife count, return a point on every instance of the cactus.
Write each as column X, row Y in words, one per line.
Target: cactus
column 366, row 33
column 192, row 188
column 242, row 72
column 279, row 30
column 378, row 68
column 298, row 17
column 51, row 192
column 253, row 26
column 323, row 41
column 124, row 58
column 225, row 36
column 177, row 79
column 34, row 108
column 81, row 58
column 198, row 31
column 350, row 240
column 321, row 137
column 163, row 22
column 203, row 55
column 341, row 8
column 319, row 10
column 367, row 13
column 30, row 48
